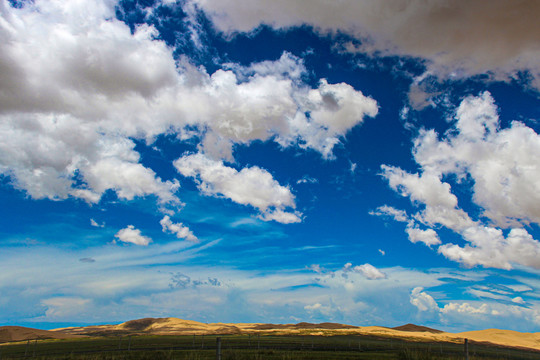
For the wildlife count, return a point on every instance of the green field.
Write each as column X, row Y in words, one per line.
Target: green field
column 253, row 347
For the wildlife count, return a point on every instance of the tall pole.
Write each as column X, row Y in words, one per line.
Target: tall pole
column 466, row 349
column 218, row 348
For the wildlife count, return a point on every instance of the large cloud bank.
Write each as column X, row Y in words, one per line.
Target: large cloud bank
column 77, row 88
column 458, row 37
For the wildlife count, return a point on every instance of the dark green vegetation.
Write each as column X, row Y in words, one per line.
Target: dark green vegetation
column 345, row 347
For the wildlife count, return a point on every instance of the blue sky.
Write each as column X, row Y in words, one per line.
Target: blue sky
column 270, row 161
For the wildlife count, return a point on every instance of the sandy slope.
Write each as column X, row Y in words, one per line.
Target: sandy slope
column 174, row 326
column 505, row 337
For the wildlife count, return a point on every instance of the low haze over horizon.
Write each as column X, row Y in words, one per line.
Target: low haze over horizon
column 358, row 162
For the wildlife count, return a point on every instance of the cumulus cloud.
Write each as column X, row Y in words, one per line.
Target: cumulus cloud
column 370, row 272
column 250, row 186
column 334, row 109
column 502, row 162
column 422, row 300
column 490, row 248
column 428, row 189
column 70, row 99
column 428, row 236
column 181, row 231
column 132, row 235
column 503, row 167
column 79, row 86
column 425, row 303
column 465, row 308
column 458, row 38
column 389, row 211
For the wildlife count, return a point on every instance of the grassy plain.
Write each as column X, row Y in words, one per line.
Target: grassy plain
column 240, row 347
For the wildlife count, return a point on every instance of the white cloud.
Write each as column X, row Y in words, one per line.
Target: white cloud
column 429, row 190
column 465, row 308
column 452, row 310
column 503, row 163
column 490, row 248
column 518, row 300
column 333, row 110
column 316, row 267
column 181, row 231
column 82, row 86
column 396, row 214
column 428, row 236
column 459, row 38
column 503, row 167
column 94, row 223
column 519, row 288
column 324, row 310
column 267, row 101
column 133, row 236
column 422, row 300
column 76, row 84
column 64, row 308
column 490, row 294
column 307, row 180
column 250, row 186
column 281, row 216
column 370, row 272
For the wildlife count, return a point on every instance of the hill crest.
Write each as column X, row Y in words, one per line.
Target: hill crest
column 417, row 328
column 21, row 333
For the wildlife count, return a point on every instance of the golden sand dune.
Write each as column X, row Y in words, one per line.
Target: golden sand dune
column 410, row 332
column 19, row 333
column 160, row 326
column 504, row 337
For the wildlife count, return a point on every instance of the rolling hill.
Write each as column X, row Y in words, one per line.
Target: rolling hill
column 174, row 326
